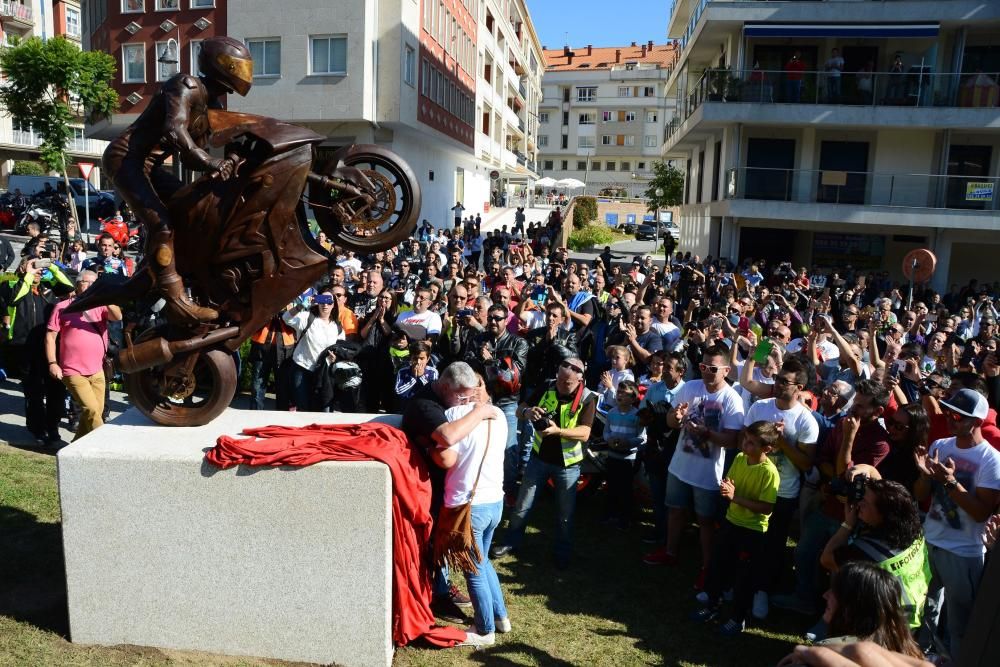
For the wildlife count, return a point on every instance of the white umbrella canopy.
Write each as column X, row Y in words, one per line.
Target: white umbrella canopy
column 546, row 182
column 570, row 183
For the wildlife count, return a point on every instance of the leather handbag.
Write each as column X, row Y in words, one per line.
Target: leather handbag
column 454, row 545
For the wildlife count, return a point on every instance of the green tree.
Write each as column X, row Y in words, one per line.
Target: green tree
column 670, row 180
column 51, row 84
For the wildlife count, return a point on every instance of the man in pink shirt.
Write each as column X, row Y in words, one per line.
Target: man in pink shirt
column 82, row 342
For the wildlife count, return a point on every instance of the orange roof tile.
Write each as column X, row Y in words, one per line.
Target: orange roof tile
column 603, row 57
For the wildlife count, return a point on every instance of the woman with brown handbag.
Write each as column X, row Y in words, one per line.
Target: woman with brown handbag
column 473, row 504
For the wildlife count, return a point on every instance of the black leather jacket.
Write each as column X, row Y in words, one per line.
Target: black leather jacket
column 545, row 355
column 507, row 345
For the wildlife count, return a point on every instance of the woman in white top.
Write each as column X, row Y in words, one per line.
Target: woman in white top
column 484, row 445
column 316, row 330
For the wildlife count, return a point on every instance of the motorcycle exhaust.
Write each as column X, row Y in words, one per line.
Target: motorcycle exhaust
column 159, row 350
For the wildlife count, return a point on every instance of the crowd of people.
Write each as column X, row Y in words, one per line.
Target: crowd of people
column 762, row 401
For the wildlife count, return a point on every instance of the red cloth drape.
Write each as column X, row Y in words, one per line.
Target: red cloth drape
column 411, row 520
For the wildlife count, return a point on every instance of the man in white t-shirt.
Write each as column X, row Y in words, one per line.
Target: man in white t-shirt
column 421, row 315
column 350, row 263
column 793, row 456
column 961, row 476
column 711, row 414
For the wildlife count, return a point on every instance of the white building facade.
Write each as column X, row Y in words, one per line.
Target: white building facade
column 398, row 73
column 40, row 18
column 856, row 156
column 603, row 114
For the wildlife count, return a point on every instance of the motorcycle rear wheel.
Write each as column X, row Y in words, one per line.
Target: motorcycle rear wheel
column 390, row 220
column 215, row 386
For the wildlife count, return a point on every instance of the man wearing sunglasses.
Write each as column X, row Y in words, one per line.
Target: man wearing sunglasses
column 500, row 357
column 562, row 412
column 961, row 477
column 710, row 412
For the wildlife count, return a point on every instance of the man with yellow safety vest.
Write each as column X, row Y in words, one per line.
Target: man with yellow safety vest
column 26, row 302
column 562, row 413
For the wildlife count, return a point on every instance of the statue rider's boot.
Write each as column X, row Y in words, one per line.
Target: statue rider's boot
column 178, row 309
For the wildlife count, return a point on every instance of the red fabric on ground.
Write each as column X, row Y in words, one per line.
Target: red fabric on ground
column 411, row 520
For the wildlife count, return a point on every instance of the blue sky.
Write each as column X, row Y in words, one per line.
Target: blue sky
column 601, row 23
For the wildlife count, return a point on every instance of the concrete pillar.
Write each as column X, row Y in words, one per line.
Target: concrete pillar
column 942, row 250
column 802, row 182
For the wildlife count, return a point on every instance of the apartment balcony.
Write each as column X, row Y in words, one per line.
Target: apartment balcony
column 16, row 14
column 914, row 99
column 922, row 200
column 25, row 138
column 694, row 21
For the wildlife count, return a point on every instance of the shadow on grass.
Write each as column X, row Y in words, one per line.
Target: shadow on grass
column 607, row 580
column 514, row 653
column 33, row 585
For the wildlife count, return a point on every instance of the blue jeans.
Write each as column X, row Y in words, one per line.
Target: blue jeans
column 484, row 587
column 525, row 441
column 957, row 578
column 302, row 388
column 536, row 474
column 816, row 532
column 510, row 454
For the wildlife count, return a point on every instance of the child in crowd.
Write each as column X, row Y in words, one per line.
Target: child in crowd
column 751, row 489
column 621, row 369
column 624, row 435
column 410, row 379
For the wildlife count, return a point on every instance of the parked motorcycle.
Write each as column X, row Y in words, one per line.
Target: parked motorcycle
column 45, row 217
column 244, row 249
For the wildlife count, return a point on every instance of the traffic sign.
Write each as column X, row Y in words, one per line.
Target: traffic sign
column 85, row 168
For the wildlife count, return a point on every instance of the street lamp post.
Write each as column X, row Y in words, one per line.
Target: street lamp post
column 656, row 226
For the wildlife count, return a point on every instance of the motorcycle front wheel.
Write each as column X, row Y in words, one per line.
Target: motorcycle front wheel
column 210, row 391
column 354, row 223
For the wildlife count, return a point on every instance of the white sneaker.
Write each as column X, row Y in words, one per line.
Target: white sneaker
column 503, row 625
column 702, row 597
column 477, row 640
column 760, row 605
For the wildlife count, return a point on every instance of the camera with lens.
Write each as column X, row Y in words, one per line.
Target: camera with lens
column 465, row 312
column 853, row 490
column 544, row 421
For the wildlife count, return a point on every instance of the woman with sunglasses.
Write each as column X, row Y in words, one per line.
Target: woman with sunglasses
column 909, row 428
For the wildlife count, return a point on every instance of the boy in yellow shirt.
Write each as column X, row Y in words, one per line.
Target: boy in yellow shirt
column 751, row 489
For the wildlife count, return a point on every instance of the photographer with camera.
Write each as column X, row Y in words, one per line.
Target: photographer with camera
column 500, row 357
column 882, row 525
column 858, row 438
column 26, row 302
column 561, row 413
column 465, row 324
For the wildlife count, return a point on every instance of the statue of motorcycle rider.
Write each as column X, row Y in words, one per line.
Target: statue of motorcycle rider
column 176, row 123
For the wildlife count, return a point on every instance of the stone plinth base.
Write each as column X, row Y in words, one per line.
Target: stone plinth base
column 165, row 550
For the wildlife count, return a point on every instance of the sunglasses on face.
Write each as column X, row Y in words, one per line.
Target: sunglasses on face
column 785, row 382
column 573, row 367
column 497, row 318
column 711, row 369
column 897, row 425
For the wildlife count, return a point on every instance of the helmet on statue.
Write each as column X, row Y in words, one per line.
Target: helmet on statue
column 228, row 62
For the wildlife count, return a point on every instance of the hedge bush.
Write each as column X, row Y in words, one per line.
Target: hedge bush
column 27, row 168
column 590, row 236
column 584, row 212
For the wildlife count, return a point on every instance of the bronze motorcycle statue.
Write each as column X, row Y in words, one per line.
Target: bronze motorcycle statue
column 244, row 249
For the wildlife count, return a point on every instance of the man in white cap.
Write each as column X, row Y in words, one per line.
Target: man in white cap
column 961, row 475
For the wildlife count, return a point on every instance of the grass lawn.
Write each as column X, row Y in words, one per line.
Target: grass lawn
column 608, row 609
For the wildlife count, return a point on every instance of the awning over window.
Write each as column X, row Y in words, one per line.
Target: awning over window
column 841, row 30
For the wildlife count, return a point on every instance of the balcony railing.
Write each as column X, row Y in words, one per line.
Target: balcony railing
column 816, row 186
column 16, row 11
column 913, row 88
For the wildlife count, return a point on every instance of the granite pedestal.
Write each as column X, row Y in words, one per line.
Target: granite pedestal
column 165, row 550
